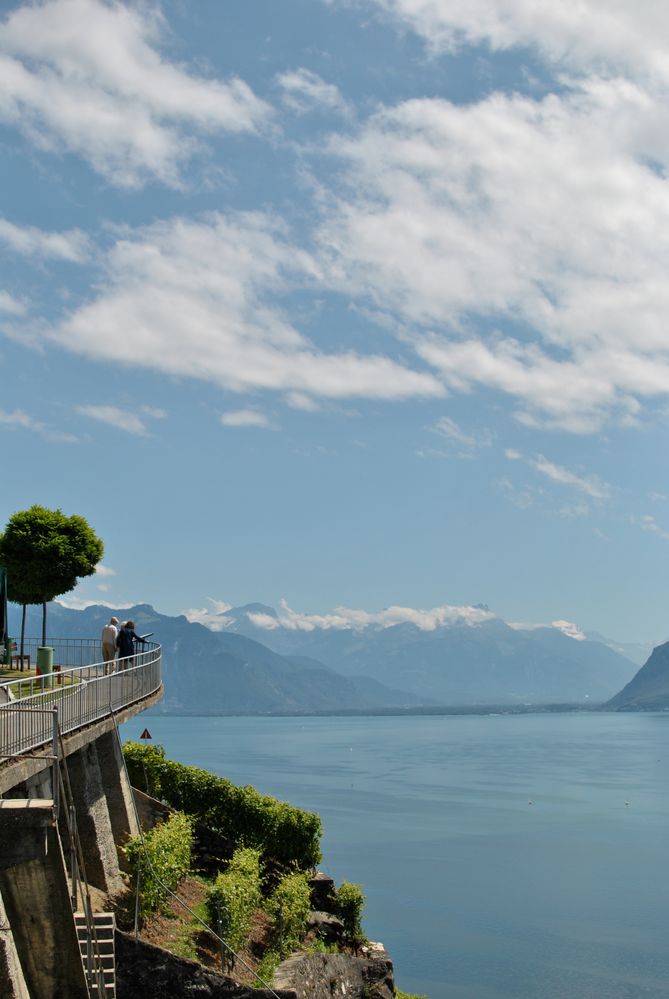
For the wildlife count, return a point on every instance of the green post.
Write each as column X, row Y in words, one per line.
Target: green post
column 45, row 662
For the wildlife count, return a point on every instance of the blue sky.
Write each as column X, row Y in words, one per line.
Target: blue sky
column 350, row 303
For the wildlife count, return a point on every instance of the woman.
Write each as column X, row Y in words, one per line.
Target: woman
column 125, row 643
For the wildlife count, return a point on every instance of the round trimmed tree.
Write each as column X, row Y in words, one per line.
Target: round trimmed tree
column 45, row 553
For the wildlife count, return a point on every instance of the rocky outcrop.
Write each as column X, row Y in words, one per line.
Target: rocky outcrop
column 326, row 926
column 147, row 972
column 649, row 689
column 321, row 976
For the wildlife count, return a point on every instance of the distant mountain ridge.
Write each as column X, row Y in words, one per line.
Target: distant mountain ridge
column 225, row 673
column 648, row 690
column 455, row 664
column 246, row 669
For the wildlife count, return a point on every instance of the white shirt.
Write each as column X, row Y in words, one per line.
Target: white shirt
column 109, row 633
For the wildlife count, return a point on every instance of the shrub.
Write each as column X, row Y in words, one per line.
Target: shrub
column 349, row 903
column 234, row 897
column 289, row 907
column 280, row 831
column 169, row 848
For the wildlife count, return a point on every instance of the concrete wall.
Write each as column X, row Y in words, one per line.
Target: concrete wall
column 36, row 899
column 93, row 819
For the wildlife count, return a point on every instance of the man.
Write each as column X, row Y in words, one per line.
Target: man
column 109, row 635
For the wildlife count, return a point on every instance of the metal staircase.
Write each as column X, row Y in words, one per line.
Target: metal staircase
column 98, row 954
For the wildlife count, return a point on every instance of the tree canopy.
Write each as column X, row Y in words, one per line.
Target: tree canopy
column 45, row 553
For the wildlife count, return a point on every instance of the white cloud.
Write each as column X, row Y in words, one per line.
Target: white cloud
column 115, row 417
column 104, row 570
column 567, row 628
column 618, row 35
column 649, row 523
column 549, row 216
column 590, row 485
column 212, row 617
column 154, row 412
column 10, row 305
column 213, row 278
column 19, row 419
column 245, row 418
column 71, row 245
column 81, row 603
column 303, row 90
column 88, row 77
column 298, row 400
column 468, row 443
column 345, row 618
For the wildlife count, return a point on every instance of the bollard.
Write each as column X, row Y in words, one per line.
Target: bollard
column 45, row 664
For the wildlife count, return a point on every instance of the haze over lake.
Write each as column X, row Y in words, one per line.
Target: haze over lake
column 503, row 857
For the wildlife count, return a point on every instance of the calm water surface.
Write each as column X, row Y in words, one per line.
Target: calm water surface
column 503, row 857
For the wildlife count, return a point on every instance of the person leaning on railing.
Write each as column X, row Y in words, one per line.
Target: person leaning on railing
column 125, row 643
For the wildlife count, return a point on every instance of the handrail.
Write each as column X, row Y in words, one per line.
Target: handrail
column 83, row 695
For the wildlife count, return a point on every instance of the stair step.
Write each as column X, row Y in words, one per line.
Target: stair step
column 100, row 949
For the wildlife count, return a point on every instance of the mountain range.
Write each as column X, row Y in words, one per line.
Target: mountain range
column 461, row 663
column 218, row 673
column 244, row 667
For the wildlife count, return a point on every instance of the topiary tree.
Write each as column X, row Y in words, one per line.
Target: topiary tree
column 45, row 553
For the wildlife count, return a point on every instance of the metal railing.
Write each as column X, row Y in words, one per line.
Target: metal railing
column 84, row 692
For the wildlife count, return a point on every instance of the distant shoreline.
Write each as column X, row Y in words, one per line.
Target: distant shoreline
column 489, row 709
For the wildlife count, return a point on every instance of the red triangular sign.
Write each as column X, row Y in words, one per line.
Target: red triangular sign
column 146, row 734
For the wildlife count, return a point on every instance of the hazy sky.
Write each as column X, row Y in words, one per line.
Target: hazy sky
column 349, row 302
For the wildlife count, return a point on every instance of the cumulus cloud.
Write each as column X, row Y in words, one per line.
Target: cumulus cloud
column 245, row 418
column 72, row 245
column 548, row 217
column 303, row 90
column 213, row 617
column 213, row 277
column 104, row 570
column 622, row 37
column 88, row 77
column 567, row 628
column 346, row 618
column 19, row 419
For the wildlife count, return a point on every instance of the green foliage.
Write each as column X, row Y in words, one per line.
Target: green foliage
column 45, row 553
column 234, row 897
column 287, row 835
column 265, row 971
column 289, row 907
column 349, row 903
column 407, row 995
column 169, row 846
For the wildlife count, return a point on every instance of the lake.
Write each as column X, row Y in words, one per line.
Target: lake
column 503, row 857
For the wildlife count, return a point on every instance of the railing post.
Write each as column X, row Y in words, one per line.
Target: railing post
column 56, row 759
column 74, row 864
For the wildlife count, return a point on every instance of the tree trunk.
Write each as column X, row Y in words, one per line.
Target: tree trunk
column 23, row 631
column 44, row 622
